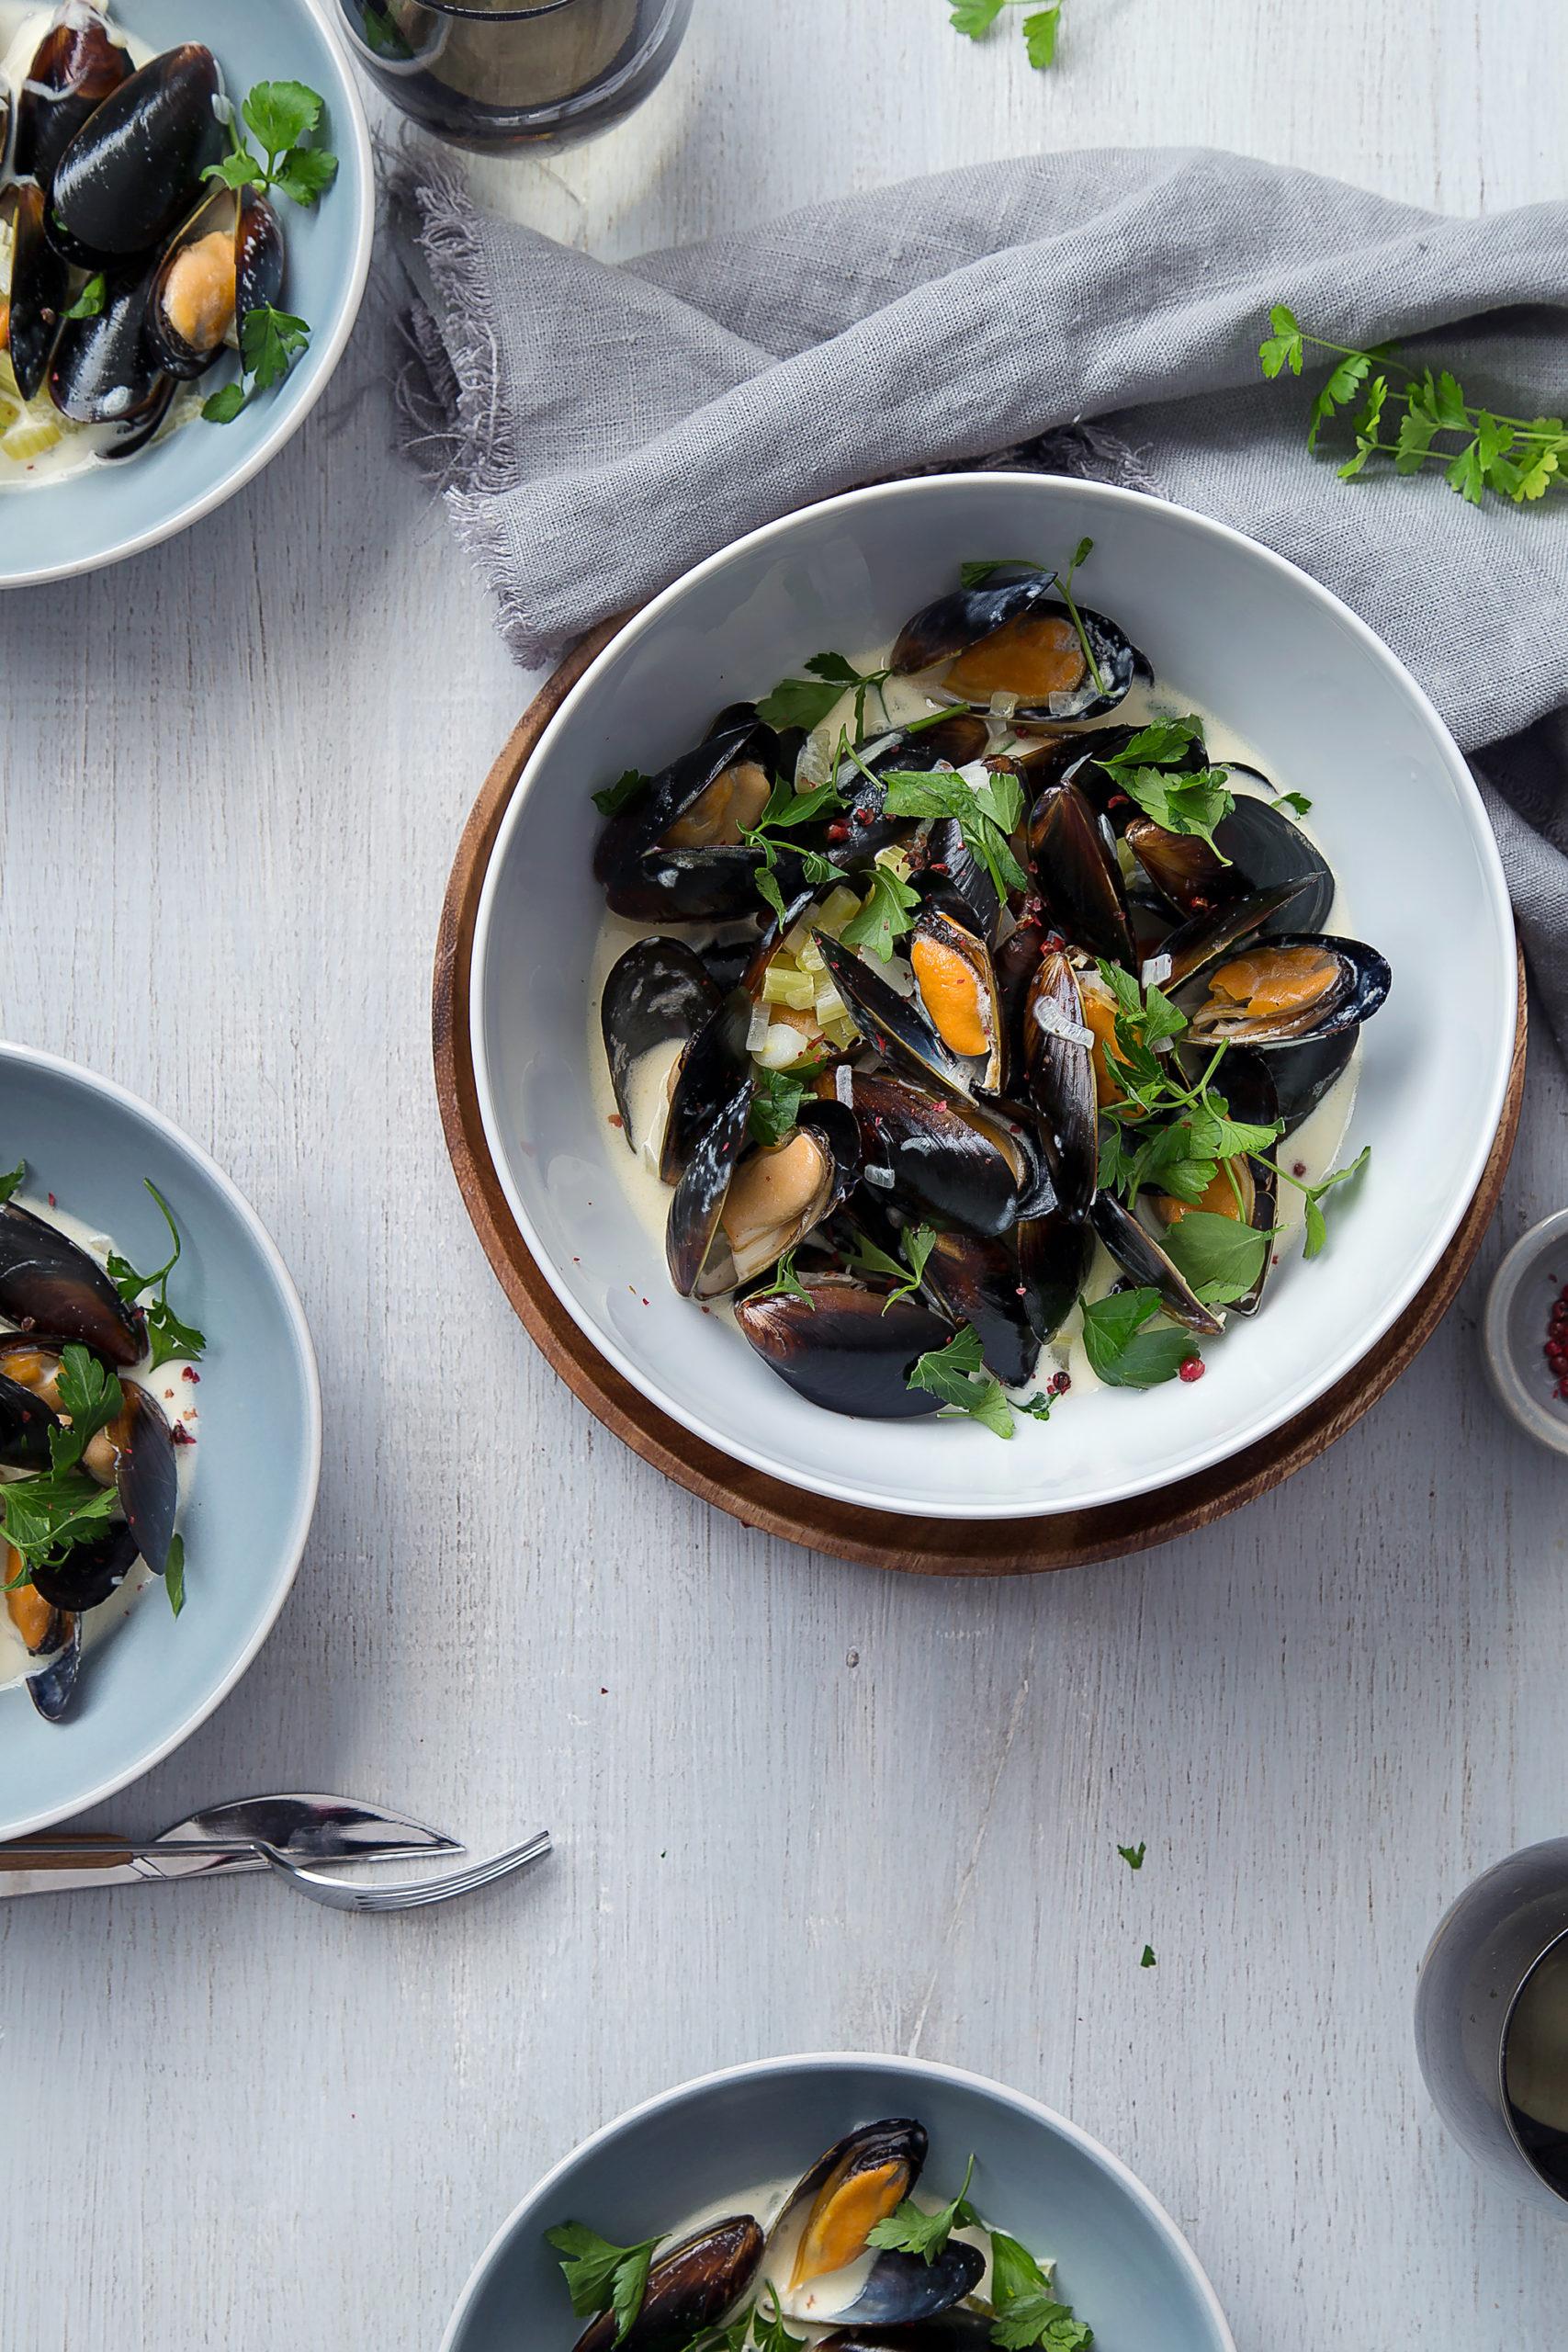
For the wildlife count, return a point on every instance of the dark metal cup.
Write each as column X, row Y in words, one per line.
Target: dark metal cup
column 506, row 76
column 1492, row 2022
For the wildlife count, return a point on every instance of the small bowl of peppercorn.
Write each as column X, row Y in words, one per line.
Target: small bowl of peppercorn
column 1526, row 1332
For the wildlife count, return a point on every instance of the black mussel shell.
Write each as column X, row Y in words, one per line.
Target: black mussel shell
column 658, row 990
column 903, row 2288
column 144, row 1473
column 1184, row 953
column 705, row 1181
column 697, row 885
column 1137, row 1253
column 1060, row 1070
column 76, row 67
column 53, row 1686
column 961, row 625
column 90, row 1572
column 850, row 1351
column 1264, row 851
column 854, row 837
column 259, row 257
column 898, row 1026
column 726, row 962
column 891, row 2153
column 950, row 2331
column 669, row 796
column 1054, row 1253
column 101, row 372
column 712, row 1070
column 941, row 949
column 1015, row 962
column 24, row 1424
column 1303, row 1074
column 134, row 169
column 946, row 873
column 47, row 1283
column 980, row 1282
column 835, row 1141
column 689, row 2289
column 1078, row 877
column 935, row 1157
column 39, row 285
column 1363, row 982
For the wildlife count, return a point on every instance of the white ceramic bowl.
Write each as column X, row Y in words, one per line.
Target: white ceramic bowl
column 1244, row 635
column 151, row 1680
column 1122, row 2262
column 56, row 530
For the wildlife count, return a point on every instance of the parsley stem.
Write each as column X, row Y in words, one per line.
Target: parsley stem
column 1066, row 588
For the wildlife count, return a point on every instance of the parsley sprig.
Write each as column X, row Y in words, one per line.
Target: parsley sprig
column 1023, row 2300
column 986, row 814
column 786, row 1283
column 12, row 1181
column 90, row 302
column 887, row 910
column 628, row 786
column 1316, row 1230
column 282, row 115
column 915, row 1241
column 786, row 810
column 43, row 1517
column 976, row 17
column 168, row 1335
column 1122, row 1348
column 601, row 2277
column 907, row 2230
column 806, row 702
column 956, row 1372
column 1133, row 1855
column 775, row 1106
column 1150, row 769
column 270, row 342
column 1516, row 458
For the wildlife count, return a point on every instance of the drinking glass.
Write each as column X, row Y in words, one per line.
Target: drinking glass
column 1492, row 2022
column 498, row 78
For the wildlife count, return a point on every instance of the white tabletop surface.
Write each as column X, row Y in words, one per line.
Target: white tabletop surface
column 797, row 1804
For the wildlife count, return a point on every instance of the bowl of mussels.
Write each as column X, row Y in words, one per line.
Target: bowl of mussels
column 990, row 995
column 186, row 215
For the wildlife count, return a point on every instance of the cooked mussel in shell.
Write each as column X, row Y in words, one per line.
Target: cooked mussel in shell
column 898, row 1027
column 981, row 1282
column 778, row 1193
column 1078, row 877
column 226, row 262
column 1057, row 1046
column 1020, row 642
column 675, row 854
column 103, row 373
column 689, row 2289
column 1137, row 1253
column 134, row 169
column 49, row 1635
column 823, row 2236
column 37, row 295
column 1283, row 991
column 848, row 1346
column 24, row 1424
column 957, row 987
column 76, row 67
column 145, row 1476
column 853, row 837
column 1257, row 848
column 91, row 1571
column 947, row 1159
column 49, row 1285
column 658, row 991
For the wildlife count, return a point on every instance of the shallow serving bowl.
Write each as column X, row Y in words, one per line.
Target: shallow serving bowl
column 1121, row 2263
column 55, row 530
column 147, row 1684
column 1244, row 635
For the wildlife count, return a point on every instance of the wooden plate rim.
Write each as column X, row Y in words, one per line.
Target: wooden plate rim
column 879, row 1539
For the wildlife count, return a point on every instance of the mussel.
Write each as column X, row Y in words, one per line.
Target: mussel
column 1137, row 1253
column 49, row 1284
column 1185, row 951
column 658, row 991
column 40, row 282
column 1286, row 991
column 1078, row 877
column 225, row 263
column 957, row 987
column 981, row 1282
column 24, row 1423
column 713, row 1074
column 774, row 1195
column 847, row 1346
column 1018, row 641
column 103, row 373
column 145, row 1475
column 947, row 1159
column 689, row 2289
column 78, row 64
column 1256, row 848
column 90, row 1571
column 134, row 169
column 1057, row 1046
column 675, row 854
column 1054, row 1253
column 898, row 1026
column 821, row 2240
column 52, row 1635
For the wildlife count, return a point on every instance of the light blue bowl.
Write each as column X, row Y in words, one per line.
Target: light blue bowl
column 150, row 1681
column 1122, row 2262
column 55, row 530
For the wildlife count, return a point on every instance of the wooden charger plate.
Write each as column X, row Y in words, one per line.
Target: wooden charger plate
column 883, row 1539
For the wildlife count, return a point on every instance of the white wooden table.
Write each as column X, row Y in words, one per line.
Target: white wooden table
column 799, row 1805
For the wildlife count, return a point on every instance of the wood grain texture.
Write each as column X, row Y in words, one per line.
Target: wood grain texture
column 798, row 1804
column 877, row 1538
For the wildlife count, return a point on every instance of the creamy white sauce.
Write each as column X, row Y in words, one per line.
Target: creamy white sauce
column 179, row 1397
column 1314, row 1148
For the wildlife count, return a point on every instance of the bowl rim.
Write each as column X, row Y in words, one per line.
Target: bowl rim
column 827, row 2061
column 1497, row 1346
column 108, row 1089
column 361, row 184
column 1348, row 1354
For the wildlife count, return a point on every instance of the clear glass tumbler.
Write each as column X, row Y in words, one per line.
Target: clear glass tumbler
column 500, row 78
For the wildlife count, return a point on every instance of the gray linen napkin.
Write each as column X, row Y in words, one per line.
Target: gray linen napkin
column 596, row 431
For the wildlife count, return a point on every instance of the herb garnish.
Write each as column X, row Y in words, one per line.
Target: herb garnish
column 1027, row 2311
column 620, row 795
column 976, row 17
column 886, row 912
column 175, row 1573
column 42, row 1518
column 956, row 1373
column 775, row 1106
column 601, row 2277
column 1518, row 458
column 1133, row 1855
column 907, row 2230
column 169, row 1336
column 1148, row 1958
column 786, row 809
column 1296, row 800
column 1220, row 1256
column 798, row 702
column 11, row 1182
column 1121, row 1350
column 1149, row 771
column 282, row 115
column 917, row 1242
column 769, row 2334
column 986, row 812
column 89, row 303
column 270, row 342
column 1316, row 1230
column 786, row 1283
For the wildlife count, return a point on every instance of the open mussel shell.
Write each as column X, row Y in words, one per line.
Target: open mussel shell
column 47, row 1283
column 134, row 169
column 74, row 68
column 1258, row 850
column 1054, row 1253
column 101, row 372
column 1078, row 877
column 676, row 855
column 658, row 991
column 897, row 2289
column 91, row 1571
column 946, row 873
column 1060, row 1070
column 846, row 1348
column 689, row 2289
column 957, row 989
column 1290, row 990
column 980, row 1282
column 145, row 1475
column 1137, row 1253
column 40, row 284
column 949, row 2331
column 713, row 1072
column 1303, row 1073
column 778, row 1193
column 698, row 1202
column 1019, row 640
column 1188, row 950
column 853, row 837
column 950, row 1160
column 24, row 1424
column 898, row 1026
column 856, row 2183
column 226, row 262
column 52, row 1685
